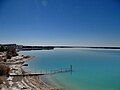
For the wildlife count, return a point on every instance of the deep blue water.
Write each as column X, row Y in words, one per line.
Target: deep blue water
column 93, row 69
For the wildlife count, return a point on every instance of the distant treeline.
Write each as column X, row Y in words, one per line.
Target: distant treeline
column 5, row 47
column 53, row 47
column 37, row 47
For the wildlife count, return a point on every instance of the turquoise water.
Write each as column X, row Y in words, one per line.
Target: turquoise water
column 93, row 69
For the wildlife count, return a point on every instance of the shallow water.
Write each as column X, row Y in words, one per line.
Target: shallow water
column 93, row 69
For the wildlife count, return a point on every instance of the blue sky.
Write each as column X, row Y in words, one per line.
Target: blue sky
column 60, row 22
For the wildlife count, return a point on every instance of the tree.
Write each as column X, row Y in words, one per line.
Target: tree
column 1, row 48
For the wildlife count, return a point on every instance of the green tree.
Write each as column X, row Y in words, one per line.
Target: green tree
column 2, row 49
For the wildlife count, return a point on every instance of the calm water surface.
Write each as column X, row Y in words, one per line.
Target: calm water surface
column 93, row 69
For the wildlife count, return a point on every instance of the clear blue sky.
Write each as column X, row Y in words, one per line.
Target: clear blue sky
column 60, row 22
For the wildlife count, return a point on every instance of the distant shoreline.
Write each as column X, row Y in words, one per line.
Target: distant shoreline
column 25, row 48
column 51, row 47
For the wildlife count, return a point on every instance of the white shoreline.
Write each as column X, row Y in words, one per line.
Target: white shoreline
column 27, row 82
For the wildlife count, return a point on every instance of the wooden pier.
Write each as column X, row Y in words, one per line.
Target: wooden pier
column 47, row 72
column 32, row 74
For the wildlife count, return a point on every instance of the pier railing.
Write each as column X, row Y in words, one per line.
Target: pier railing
column 61, row 70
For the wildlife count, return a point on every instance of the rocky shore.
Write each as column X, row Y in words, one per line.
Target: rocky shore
column 20, row 82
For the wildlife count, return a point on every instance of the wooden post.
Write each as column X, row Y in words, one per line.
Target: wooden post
column 61, row 69
column 70, row 67
column 46, row 71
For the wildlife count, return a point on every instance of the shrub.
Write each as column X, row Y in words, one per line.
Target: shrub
column 4, row 70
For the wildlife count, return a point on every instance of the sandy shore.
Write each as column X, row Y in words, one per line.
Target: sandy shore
column 20, row 82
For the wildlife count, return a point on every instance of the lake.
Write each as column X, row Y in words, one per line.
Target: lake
column 92, row 69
